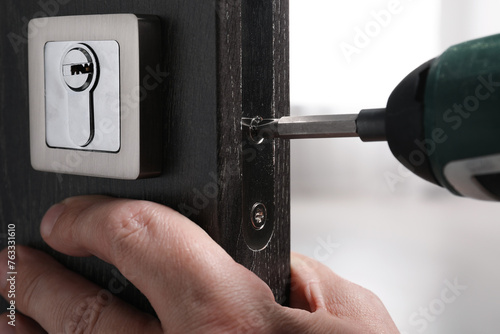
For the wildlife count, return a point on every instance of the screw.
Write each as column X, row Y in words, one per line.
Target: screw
column 258, row 216
column 254, row 133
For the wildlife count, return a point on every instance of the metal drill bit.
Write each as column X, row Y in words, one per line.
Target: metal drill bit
column 369, row 125
column 324, row 126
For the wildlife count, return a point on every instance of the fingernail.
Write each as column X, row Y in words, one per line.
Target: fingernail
column 50, row 219
column 5, row 328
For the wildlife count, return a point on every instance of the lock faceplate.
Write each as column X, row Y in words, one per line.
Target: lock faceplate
column 82, row 95
column 94, row 109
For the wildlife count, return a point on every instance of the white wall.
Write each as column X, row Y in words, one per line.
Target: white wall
column 407, row 240
column 324, row 80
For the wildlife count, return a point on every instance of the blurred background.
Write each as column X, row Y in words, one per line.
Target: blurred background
column 433, row 258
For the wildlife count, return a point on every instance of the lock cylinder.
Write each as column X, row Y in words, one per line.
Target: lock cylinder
column 80, row 73
column 82, row 95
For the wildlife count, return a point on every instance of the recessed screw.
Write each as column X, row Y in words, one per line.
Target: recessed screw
column 258, row 216
column 254, row 133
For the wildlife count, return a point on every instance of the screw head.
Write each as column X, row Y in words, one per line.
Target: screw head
column 253, row 132
column 258, row 216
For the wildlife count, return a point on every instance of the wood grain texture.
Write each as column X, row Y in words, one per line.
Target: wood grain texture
column 247, row 75
column 202, row 109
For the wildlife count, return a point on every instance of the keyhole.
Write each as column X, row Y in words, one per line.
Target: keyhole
column 80, row 73
column 79, row 68
column 82, row 69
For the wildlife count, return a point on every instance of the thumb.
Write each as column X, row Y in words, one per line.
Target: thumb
column 315, row 287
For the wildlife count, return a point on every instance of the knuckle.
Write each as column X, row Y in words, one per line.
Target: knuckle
column 127, row 224
column 371, row 297
column 31, row 280
column 126, row 220
column 84, row 316
column 369, row 303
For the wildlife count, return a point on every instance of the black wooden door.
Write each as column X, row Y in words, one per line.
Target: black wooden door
column 223, row 59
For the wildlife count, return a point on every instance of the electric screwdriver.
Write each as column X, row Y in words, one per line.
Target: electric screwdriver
column 442, row 121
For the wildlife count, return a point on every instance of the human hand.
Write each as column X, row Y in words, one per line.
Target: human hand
column 192, row 283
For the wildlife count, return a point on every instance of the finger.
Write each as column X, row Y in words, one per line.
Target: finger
column 165, row 255
column 316, row 288
column 108, row 227
column 312, row 284
column 63, row 302
column 19, row 324
column 307, row 277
